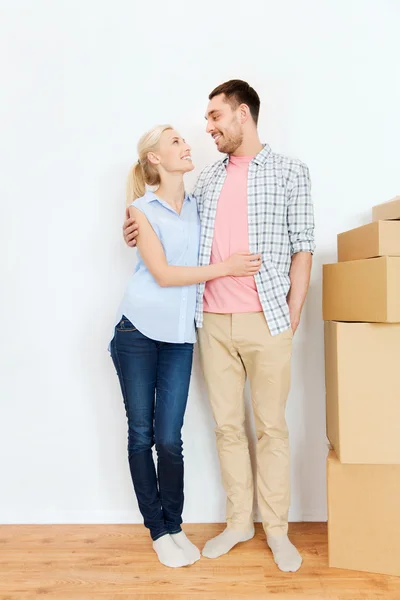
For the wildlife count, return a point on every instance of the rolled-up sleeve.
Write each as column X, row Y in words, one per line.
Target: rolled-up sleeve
column 300, row 214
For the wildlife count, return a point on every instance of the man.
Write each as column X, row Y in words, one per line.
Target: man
column 258, row 201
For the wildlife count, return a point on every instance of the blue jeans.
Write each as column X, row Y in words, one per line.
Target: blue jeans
column 154, row 378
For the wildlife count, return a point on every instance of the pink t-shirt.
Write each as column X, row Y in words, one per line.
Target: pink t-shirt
column 232, row 294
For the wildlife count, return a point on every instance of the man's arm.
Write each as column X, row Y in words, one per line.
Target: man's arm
column 300, row 271
column 300, row 217
column 130, row 229
column 198, row 189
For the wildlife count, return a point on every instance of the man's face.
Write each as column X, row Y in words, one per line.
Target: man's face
column 223, row 125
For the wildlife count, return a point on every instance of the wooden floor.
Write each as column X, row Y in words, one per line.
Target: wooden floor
column 107, row 562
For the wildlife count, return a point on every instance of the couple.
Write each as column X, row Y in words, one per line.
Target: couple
column 246, row 238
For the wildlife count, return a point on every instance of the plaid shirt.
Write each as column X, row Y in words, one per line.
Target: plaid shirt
column 280, row 222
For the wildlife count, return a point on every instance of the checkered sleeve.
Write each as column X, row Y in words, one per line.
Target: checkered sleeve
column 198, row 189
column 300, row 213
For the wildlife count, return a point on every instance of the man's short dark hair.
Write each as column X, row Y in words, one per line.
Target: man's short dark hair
column 239, row 92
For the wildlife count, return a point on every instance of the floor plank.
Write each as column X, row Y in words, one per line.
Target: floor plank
column 116, row 562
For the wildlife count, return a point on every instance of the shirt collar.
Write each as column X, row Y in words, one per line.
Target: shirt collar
column 152, row 196
column 260, row 159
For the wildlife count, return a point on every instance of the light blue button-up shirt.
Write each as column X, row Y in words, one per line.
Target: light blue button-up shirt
column 165, row 314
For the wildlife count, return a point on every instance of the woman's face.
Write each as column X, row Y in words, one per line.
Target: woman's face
column 173, row 154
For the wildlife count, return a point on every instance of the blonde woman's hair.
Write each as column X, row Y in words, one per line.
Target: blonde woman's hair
column 143, row 171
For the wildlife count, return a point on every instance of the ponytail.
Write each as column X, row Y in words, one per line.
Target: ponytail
column 136, row 184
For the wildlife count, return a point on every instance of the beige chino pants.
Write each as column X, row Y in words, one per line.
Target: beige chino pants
column 231, row 347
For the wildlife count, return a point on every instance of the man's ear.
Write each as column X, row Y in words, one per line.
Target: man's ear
column 244, row 113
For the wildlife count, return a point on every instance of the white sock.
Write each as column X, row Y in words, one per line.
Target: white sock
column 168, row 552
column 225, row 541
column 285, row 554
column 190, row 550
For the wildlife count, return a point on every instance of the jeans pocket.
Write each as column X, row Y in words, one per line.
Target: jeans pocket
column 125, row 325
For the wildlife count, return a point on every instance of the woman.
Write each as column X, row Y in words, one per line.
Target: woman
column 153, row 340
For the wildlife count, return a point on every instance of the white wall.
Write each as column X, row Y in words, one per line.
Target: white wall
column 81, row 81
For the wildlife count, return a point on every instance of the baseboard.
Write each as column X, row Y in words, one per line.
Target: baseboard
column 82, row 517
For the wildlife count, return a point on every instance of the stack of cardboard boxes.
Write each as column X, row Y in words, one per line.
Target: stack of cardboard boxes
column 361, row 310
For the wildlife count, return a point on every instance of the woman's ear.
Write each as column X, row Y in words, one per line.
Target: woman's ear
column 153, row 158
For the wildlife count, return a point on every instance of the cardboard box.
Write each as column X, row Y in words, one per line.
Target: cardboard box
column 388, row 210
column 362, row 363
column 381, row 238
column 362, row 290
column 363, row 516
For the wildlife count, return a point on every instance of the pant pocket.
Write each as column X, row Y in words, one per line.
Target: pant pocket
column 125, row 325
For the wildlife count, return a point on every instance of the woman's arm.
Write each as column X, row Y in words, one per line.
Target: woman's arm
column 238, row 265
